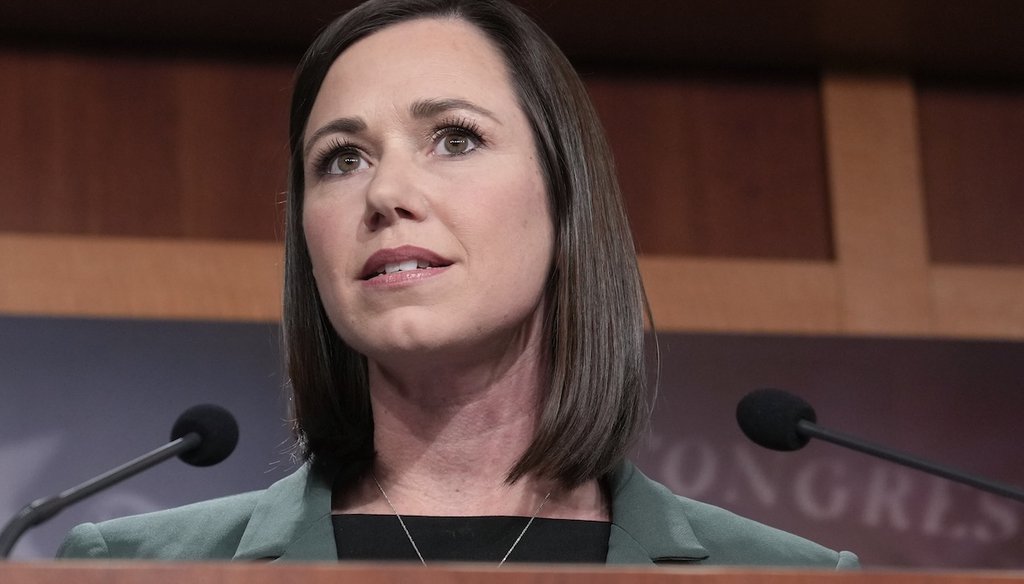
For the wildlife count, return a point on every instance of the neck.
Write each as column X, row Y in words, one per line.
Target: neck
column 446, row 437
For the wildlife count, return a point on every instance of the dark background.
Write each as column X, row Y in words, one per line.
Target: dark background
column 80, row 396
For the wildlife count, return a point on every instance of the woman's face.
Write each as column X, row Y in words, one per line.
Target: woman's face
column 425, row 209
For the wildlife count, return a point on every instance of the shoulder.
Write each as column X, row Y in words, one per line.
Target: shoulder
column 288, row 520
column 735, row 540
column 651, row 520
column 205, row 530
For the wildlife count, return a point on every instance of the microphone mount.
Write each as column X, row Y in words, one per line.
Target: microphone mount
column 203, row 435
column 779, row 420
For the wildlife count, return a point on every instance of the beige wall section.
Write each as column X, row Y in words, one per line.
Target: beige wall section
column 168, row 278
column 742, row 295
column 888, row 284
column 971, row 301
column 139, row 278
column 882, row 282
column 877, row 204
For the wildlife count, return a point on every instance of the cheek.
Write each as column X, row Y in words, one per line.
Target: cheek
column 509, row 203
column 513, row 221
column 312, row 227
column 324, row 231
column 532, row 212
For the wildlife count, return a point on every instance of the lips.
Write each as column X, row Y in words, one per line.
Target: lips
column 400, row 259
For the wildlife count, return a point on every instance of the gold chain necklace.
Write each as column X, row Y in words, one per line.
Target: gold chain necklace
column 413, row 541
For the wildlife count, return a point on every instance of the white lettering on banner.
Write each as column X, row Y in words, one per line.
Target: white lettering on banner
column 1000, row 512
column 879, row 495
column 937, row 509
column 700, row 462
column 31, row 455
column 886, row 500
column 820, row 491
column 752, row 475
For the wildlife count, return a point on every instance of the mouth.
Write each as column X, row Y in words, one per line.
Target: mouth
column 401, row 259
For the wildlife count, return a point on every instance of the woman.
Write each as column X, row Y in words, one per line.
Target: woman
column 463, row 320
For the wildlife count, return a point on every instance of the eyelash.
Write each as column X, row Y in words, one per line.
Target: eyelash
column 460, row 126
column 332, row 150
column 447, row 126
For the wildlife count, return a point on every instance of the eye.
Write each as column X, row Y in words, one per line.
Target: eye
column 339, row 158
column 455, row 141
column 344, row 161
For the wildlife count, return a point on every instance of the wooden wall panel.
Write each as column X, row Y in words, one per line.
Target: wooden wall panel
column 720, row 167
column 194, row 148
column 106, row 156
column 750, row 296
column 133, row 146
column 877, row 203
column 972, row 148
column 140, row 277
column 978, row 301
column 88, row 146
column 233, row 167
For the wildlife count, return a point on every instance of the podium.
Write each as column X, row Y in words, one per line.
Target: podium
column 78, row 572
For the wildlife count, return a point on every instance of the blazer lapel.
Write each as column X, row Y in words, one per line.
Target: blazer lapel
column 292, row 521
column 648, row 522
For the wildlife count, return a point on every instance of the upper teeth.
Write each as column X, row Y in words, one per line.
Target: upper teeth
column 406, row 265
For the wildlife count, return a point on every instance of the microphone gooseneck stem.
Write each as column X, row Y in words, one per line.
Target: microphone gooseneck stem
column 813, row 430
column 42, row 509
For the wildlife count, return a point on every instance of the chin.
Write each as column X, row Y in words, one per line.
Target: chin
column 433, row 346
column 409, row 337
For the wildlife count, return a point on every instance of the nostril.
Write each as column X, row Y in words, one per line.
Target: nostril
column 373, row 220
column 379, row 217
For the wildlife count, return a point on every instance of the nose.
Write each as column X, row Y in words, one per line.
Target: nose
column 394, row 194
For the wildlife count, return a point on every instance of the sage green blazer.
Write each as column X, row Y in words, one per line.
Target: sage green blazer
column 291, row 521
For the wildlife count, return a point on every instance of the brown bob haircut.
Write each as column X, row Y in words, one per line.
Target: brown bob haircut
column 596, row 404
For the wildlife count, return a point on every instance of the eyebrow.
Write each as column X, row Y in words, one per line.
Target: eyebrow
column 420, row 109
column 428, row 108
column 338, row 126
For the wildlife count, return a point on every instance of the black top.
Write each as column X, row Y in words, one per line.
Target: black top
column 470, row 539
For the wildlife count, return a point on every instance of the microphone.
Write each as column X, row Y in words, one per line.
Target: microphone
column 779, row 420
column 203, row 435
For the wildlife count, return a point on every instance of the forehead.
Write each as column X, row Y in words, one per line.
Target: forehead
column 417, row 59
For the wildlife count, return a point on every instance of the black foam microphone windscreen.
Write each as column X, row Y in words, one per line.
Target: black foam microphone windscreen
column 769, row 417
column 216, row 427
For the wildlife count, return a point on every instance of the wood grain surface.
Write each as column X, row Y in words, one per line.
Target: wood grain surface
column 140, row 278
column 720, row 167
column 150, row 187
column 121, row 145
column 972, row 150
column 230, row 573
